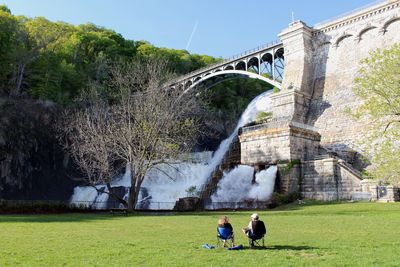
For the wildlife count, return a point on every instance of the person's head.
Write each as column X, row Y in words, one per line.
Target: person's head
column 254, row 217
column 223, row 220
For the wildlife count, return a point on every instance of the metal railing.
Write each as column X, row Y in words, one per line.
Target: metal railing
column 65, row 206
column 225, row 61
column 242, row 205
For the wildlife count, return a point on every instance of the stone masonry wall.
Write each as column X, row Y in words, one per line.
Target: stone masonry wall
column 328, row 179
column 270, row 143
column 321, row 65
column 338, row 48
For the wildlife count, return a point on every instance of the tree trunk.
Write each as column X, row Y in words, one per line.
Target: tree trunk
column 132, row 199
column 134, row 192
column 21, row 71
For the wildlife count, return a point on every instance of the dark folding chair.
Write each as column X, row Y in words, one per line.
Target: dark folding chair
column 256, row 241
column 224, row 236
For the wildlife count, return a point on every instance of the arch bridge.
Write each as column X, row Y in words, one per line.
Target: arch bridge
column 264, row 62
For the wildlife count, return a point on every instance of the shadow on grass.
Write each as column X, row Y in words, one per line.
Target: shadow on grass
column 288, row 247
column 285, row 247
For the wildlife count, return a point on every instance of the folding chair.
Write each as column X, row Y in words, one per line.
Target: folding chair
column 224, row 236
column 256, row 241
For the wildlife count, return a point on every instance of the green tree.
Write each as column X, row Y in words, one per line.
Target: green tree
column 378, row 85
column 55, row 60
column 8, row 39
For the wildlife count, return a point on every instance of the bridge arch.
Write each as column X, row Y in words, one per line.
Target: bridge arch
column 278, row 64
column 252, row 64
column 235, row 72
column 266, row 57
column 229, row 67
column 264, row 63
column 279, row 53
column 188, row 83
column 240, row 65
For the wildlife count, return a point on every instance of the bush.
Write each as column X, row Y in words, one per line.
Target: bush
column 40, row 207
column 263, row 116
column 278, row 199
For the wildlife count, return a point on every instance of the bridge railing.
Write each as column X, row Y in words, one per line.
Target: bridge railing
column 224, row 61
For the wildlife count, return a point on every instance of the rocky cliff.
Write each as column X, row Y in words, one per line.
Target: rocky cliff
column 32, row 162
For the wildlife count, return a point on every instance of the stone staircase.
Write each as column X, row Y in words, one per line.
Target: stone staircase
column 327, row 177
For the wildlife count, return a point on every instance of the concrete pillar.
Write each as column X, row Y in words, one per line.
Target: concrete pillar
column 390, row 193
column 297, row 44
column 374, row 192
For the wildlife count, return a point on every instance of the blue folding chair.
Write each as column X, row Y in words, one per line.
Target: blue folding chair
column 224, row 236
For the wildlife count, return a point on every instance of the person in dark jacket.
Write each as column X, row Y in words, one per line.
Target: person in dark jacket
column 256, row 228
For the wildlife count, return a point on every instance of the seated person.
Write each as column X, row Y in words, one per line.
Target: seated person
column 256, row 228
column 225, row 230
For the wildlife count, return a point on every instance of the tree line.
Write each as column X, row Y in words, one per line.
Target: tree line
column 55, row 60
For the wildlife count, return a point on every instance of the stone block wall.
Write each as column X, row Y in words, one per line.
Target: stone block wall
column 321, row 64
column 289, row 178
column 272, row 142
column 338, row 48
column 290, row 105
column 319, row 180
column 328, row 179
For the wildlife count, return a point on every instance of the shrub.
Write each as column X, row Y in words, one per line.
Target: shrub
column 40, row 207
column 278, row 199
column 263, row 116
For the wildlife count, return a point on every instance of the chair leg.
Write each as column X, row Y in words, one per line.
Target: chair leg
column 251, row 242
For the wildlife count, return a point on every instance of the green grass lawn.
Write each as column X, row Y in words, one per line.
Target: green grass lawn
column 352, row 234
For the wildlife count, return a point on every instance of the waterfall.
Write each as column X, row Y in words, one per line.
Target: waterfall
column 236, row 185
column 166, row 183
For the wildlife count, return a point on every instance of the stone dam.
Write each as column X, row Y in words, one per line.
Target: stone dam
column 309, row 135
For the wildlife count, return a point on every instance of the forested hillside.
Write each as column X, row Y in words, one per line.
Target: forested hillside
column 45, row 65
column 55, row 60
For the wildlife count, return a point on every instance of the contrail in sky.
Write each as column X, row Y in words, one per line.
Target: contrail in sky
column 191, row 35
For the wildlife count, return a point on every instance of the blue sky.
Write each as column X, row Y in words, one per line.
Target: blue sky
column 219, row 28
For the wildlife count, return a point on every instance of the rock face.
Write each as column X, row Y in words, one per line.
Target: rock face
column 32, row 163
column 188, row 204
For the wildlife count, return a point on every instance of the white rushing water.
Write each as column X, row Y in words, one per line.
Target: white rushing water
column 236, row 185
column 165, row 184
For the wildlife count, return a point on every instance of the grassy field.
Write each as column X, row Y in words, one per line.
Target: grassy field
column 353, row 234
